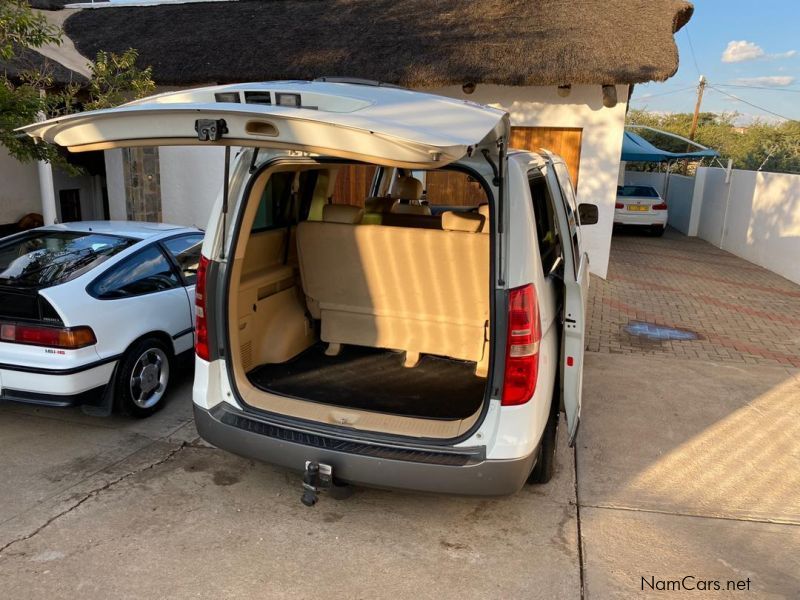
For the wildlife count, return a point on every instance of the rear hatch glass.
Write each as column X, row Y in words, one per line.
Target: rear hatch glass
column 40, row 259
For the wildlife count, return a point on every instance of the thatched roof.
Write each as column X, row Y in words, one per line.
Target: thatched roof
column 49, row 4
column 415, row 43
column 26, row 59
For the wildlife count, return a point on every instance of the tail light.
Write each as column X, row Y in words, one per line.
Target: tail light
column 522, row 346
column 68, row 338
column 201, row 324
column 619, row 205
column 662, row 206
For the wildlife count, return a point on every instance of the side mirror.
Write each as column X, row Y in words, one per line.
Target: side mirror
column 587, row 214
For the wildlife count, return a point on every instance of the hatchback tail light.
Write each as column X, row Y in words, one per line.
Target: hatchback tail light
column 201, row 324
column 661, row 206
column 619, row 205
column 522, row 346
column 67, row 338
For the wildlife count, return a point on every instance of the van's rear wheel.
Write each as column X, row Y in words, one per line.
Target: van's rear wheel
column 546, row 459
column 143, row 378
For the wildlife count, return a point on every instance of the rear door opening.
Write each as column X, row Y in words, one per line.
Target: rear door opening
column 360, row 296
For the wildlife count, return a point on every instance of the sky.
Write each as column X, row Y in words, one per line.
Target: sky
column 748, row 49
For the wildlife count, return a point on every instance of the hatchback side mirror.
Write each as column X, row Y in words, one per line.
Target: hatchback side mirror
column 587, row 214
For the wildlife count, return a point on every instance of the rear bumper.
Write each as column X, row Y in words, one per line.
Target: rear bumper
column 626, row 217
column 425, row 470
column 80, row 385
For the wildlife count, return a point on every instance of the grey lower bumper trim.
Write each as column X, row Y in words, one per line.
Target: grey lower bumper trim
column 473, row 477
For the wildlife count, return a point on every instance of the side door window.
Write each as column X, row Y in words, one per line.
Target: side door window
column 186, row 252
column 565, row 185
column 546, row 229
column 146, row 272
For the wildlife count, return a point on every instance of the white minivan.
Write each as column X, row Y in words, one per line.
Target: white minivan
column 387, row 295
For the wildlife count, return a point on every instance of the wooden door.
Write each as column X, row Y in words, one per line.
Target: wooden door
column 353, row 183
column 564, row 141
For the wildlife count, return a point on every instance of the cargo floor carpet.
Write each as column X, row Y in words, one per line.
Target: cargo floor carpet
column 375, row 379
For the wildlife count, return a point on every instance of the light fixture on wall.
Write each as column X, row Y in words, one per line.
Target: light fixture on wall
column 564, row 90
column 609, row 96
column 468, row 88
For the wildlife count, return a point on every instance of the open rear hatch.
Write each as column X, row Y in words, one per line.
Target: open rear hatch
column 380, row 125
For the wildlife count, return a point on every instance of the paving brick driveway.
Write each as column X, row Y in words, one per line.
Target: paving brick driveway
column 734, row 310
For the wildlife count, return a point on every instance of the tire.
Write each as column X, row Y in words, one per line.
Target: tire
column 143, row 378
column 546, row 459
column 658, row 231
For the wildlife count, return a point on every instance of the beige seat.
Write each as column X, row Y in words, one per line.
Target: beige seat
column 459, row 221
column 342, row 213
column 483, row 210
column 418, row 290
column 409, row 192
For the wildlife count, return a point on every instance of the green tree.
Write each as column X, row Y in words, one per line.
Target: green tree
column 768, row 146
column 114, row 79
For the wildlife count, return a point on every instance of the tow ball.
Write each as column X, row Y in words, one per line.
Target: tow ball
column 318, row 477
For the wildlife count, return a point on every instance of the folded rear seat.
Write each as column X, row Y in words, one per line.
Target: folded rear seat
column 413, row 289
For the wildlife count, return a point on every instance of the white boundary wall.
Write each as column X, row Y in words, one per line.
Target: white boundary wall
column 753, row 215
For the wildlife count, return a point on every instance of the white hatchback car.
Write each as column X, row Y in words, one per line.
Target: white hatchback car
column 423, row 331
column 94, row 313
column 641, row 206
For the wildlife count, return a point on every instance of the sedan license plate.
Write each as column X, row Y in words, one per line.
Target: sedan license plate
column 638, row 207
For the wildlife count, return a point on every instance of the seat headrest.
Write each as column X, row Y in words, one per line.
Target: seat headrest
column 458, row 221
column 408, row 188
column 378, row 204
column 342, row 213
column 483, row 210
column 404, row 208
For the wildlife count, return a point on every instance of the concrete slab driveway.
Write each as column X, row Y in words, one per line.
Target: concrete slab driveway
column 140, row 509
column 687, row 465
column 689, row 456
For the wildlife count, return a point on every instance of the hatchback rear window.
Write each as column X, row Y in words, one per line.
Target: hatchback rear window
column 639, row 191
column 40, row 259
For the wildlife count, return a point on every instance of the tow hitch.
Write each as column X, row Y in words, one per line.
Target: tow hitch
column 318, row 477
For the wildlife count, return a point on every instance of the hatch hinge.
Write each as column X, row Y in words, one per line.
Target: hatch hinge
column 210, row 130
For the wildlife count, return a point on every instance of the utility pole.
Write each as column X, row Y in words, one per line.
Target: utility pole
column 700, row 87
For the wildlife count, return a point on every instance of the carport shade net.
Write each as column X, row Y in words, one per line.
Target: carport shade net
column 637, row 149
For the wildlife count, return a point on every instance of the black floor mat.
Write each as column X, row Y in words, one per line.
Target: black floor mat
column 376, row 380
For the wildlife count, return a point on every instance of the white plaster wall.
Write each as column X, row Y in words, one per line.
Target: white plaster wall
column 655, row 180
column 19, row 188
column 601, row 144
column 762, row 224
column 679, row 201
column 711, row 192
column 191, row 179
column 115, row 184
column 86, row 188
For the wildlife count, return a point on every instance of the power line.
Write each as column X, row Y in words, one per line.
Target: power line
column 759, row 87
column 691, row 87
column 766, row 110
column 691, row 47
